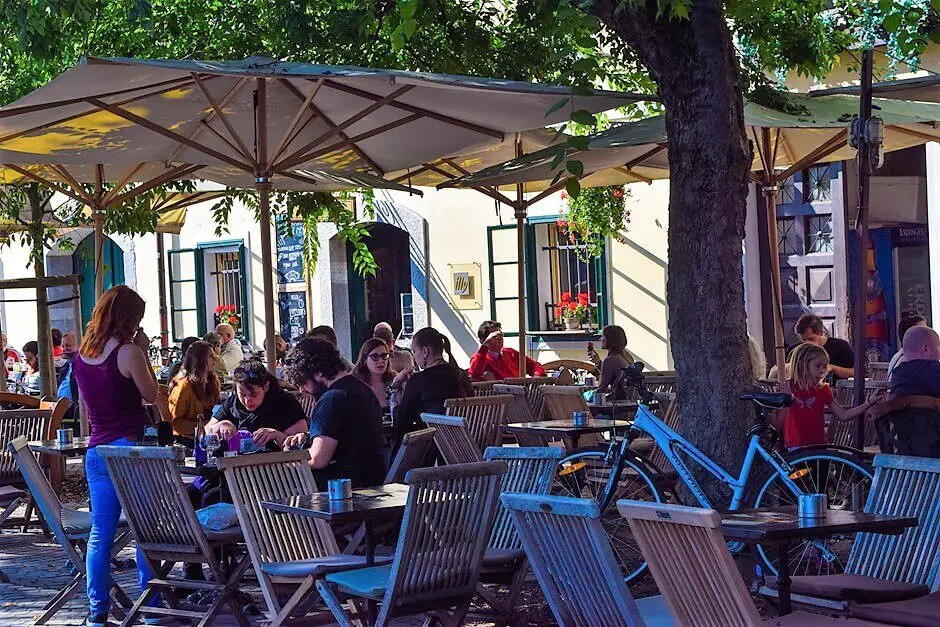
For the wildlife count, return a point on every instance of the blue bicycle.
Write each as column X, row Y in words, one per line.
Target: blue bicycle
column 616, row 471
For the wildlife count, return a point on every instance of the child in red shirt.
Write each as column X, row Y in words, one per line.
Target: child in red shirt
column 805, row 423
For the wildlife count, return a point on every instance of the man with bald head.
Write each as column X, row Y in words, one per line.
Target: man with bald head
column 231, row 352
column 919, row 370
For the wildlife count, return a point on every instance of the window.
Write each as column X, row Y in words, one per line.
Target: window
column 817, row 185
column 788, row 193
column 819, row 234
column 788, row 240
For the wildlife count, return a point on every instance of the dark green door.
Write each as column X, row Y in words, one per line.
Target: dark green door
column 83, row 262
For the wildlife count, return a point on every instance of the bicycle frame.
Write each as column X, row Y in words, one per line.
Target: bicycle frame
column 671, row 443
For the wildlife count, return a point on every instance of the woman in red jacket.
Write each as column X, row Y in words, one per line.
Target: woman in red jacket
column 493, row 361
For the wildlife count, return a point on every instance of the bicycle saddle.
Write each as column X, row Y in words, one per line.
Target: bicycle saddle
column 770, row 400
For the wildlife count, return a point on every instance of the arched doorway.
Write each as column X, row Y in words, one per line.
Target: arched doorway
column 83, row 263
column 377, row 298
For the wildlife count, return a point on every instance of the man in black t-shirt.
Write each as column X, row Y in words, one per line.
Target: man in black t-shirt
column 346, row 439
column 810, row 328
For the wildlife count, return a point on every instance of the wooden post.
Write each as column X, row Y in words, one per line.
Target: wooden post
column 770, row 200
column 43, row 326
column 860, row 300
column 161, row 292
column 99, row 217
column 520, row 244
column 3, row 357
column 263, row 185
column 77, row 312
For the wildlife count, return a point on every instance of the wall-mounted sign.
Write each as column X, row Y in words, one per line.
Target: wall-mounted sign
column 290, row 249
column 293, row 315
column 465, row 281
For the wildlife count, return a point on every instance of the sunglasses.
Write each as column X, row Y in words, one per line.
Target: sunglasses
column 379, row 356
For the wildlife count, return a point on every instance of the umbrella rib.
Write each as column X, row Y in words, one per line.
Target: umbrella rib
column 319, row 112
column 913, row 133
column 172, row 175
column 289, row 135
column 48, row 183
column 222, row 138
column 125, row 178
column 787, row 148
column 768, row 171
column 71, row 180
column 833, row 144
column 156, row 128
column 298, row 156
column 492, row 192
column 209, row 116
column 551, row 189
column 462, row 171
column 440, row 117
column 645, row 156
column 407, row 175
column 221, row 115
column 625, row 170
column 75, row 116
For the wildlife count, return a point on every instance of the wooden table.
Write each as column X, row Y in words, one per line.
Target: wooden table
column 619, row 408
column 780, row 526
column 77, row 448
column 567, row 428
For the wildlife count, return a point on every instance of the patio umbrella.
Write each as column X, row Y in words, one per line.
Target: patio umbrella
column 266, row 118
column 815, row 130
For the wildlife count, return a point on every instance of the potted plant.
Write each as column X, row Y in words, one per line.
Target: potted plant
column 227, row 314
column 574, row 313
column 594, row 215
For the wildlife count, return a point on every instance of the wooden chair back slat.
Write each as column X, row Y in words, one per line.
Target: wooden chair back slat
column 12, row 400
column 878, row 370
column 660, row 384
column 570, row 553
column 32, row 423
column 572, row 365
column 155, row 501
column 668, row 412
column 484, row 388
column 842, row 432
column 689, row 559
column 453, row 439
column 562, row 400
column 447, row 522
column 44, row 497
column 533, row 390
column 531, row 470
column 903, row 486
column 520, row 411
column 412, row 453
column 485, row 417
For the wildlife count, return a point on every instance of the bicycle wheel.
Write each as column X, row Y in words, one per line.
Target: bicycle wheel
column 585, row 474
column 845, row 479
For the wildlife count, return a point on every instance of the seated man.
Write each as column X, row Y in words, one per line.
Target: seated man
column 231, row 351
column 345, row 439
column 493, row 361
column 918, row 372
column 906, row 323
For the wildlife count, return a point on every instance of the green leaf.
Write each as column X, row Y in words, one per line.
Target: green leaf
column 585, row 66
column 558, row 105
column 559, row 157
column 408, row 28
column 892, row 22
column 579, row 142
column 575, row 167
column 583, row 116
column 587, row 42
column 582, row 90
column 573, row 187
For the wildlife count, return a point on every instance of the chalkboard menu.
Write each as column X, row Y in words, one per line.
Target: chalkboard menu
column 290, row 248
column 293, row 315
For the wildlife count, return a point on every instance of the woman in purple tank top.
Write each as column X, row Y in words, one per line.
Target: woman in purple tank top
column 113, row 377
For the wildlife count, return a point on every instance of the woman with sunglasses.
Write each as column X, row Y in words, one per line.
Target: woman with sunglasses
column 374, row 368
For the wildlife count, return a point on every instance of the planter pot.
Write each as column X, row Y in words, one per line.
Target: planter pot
column 572, row 324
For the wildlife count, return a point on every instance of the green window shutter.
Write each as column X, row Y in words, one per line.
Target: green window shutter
column 187, row 293
column 502, row 258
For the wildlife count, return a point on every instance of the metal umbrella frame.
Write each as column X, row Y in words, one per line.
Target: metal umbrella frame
column 321, row 117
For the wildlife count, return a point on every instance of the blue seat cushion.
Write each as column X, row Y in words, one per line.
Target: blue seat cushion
column 911, row 613
column 656, row 611
column 229, row 535
column 502, row 558
column 848, row 587
column 317, row 566
column 78, row 521
column 362, row 582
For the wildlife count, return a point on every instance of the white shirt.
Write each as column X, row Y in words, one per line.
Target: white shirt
column 232, row 354
column 894, row 362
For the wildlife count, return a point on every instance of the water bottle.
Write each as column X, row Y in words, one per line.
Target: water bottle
column 198, row 451
column 151, row 438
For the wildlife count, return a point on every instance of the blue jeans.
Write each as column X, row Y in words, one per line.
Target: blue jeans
column 105, row 512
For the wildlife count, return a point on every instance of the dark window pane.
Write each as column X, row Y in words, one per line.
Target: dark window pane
column 568, row 273
column 819, row 234
column 788, row 240
column 818, row 186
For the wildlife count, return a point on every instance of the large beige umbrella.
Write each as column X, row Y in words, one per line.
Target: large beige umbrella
column 267, row 118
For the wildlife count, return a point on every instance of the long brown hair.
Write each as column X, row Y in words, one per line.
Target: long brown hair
column 800, row 378
column 118, row 315
column 361, row 369
column 196, row 370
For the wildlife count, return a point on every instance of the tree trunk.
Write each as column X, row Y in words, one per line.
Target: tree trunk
column 694, row 64
column 43, row 326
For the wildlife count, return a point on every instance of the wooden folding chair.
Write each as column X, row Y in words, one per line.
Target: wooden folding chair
column 485, row 417
column 660, row 384
column 412, row 453
column 570, row 553
column 689, row 559
column 155, row 501
column 533, row 391
column 668, row 412
column 287, row 551
column 878, row 370
column 453, row 439
column 34, row 424
column 12, row 400
column 448, row 520
column 519, row 411
column 70, row 527
column 483, row 388
column 842, row 432
column 530, row 471
column 561, row 401
column 885, row 568
column 572, row 365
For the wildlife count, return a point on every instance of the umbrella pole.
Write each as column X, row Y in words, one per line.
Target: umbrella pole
column 161, row 292
column 520, row 244
column 264, row 189
column 98, row 215
column 770, row 200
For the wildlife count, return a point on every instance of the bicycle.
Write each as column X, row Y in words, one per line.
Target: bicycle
column 608, row 473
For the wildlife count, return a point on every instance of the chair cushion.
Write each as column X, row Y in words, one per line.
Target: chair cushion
column 225, row 536
column 656, row 611
column 805, row 619
column 924, row 610
column 78, row 521
column 8, row 494
column 362, row 582
column 858, row 588
column 317, row 566
column 502, row 558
